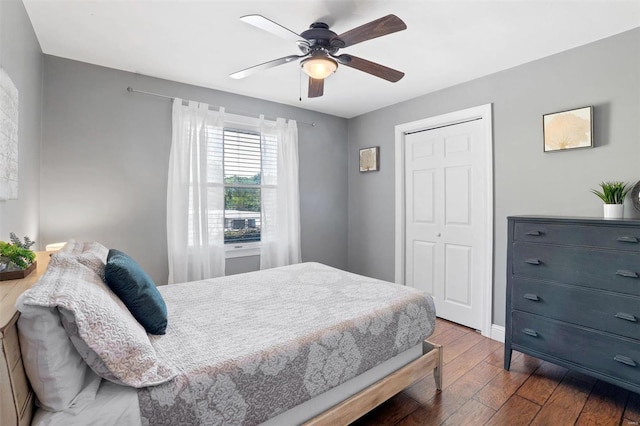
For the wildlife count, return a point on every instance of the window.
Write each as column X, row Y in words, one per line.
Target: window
column 241, row 155
column 242, row 186
column 232, row 191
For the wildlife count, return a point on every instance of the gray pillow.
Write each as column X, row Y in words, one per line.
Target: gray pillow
column 104, row 324
column 54, row 367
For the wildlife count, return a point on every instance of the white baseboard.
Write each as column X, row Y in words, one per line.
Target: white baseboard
column 497, row 333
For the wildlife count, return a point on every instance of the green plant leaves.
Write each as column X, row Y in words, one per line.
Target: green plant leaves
column 20, row 256
column 613, row 192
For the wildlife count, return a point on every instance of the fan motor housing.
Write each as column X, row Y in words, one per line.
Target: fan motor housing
column 319, row 34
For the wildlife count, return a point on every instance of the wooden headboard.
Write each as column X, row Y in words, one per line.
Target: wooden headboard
column 16, row 396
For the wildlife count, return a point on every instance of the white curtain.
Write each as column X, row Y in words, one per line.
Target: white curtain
column 195, row 193
column 280, row 233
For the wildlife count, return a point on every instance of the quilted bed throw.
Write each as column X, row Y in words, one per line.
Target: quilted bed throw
column 248, row 347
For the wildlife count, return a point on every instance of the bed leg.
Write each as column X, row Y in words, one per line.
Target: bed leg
column 437, row 371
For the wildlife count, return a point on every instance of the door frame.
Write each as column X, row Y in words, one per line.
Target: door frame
column 483, row 112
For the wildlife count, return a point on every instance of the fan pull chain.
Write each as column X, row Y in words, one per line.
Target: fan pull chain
column 300, row 85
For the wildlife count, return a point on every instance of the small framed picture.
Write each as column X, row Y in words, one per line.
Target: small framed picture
column 568, row 129
column 370, row 159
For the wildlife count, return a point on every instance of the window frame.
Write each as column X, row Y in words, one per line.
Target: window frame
column 253, row 125
column 250, row 248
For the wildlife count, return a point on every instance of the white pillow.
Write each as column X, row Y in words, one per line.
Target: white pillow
column 68, row 248
column 88, row 355
column 54, row 367
column 103, row 323
column 91, row 254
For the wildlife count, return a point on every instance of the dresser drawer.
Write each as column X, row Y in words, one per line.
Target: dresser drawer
column 614, row 237
column 612, row 356
column 21, row 398
column 611, row 312
column 11, row 346
column 602, row 269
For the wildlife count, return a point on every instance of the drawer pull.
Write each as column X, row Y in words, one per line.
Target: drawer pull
column 625, row 273
column 531, row 297
column 530, row 332
column 625, row 360
column 625, row 316
column 627, row 239
column 534, row 233
column 533, row 261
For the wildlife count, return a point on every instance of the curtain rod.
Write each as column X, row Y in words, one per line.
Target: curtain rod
column 132, row 90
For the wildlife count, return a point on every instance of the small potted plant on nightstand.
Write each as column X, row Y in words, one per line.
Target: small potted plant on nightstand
column 613, row 194
column 17, row 260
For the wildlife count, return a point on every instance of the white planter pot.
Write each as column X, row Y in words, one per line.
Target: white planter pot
column 613, row 211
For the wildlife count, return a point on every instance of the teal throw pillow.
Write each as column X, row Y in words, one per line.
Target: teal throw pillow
column 137, row 291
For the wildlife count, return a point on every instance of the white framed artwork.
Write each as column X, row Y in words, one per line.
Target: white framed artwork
column 8, row 137
column 568, row 129
column 369, row 159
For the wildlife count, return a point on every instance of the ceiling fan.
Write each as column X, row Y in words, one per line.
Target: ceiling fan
column 319, row 47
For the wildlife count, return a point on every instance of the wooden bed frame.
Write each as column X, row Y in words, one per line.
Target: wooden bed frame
column 369, row 398
column 17, row 401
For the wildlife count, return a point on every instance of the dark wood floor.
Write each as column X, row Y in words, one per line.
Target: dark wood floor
column 478, row 391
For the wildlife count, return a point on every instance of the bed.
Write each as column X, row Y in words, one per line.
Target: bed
column 299, row 344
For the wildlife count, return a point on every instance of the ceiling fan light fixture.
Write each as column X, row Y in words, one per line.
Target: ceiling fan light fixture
column 319, row 67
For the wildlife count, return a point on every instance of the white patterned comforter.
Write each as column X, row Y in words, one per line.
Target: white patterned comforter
column 250, row 346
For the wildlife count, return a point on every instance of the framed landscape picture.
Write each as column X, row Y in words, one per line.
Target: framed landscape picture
column 568, row 129
column 369, row 159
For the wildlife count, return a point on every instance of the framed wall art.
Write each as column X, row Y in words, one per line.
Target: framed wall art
column 8, row 138
column 370, row 159
column 568, row 129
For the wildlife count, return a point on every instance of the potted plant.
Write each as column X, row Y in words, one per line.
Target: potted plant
column 613, row 195
column 17, row 259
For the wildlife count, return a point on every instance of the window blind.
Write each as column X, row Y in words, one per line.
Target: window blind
column 242, row 179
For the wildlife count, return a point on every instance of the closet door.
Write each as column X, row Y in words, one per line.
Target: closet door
column 445, row 217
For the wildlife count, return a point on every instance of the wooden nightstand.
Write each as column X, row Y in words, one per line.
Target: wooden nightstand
column 16, row 396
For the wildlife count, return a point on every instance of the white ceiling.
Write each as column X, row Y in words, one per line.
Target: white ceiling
column 202, row 42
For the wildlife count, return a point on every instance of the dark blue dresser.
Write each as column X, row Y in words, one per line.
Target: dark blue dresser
column 573, row 295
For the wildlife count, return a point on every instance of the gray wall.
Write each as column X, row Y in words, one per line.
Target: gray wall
column 105, row 152
column 605, row 74
column 21, row 57
column 105, row 157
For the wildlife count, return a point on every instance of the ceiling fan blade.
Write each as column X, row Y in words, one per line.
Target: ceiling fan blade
column 316, row 87
column 252, row 70
column 386, row 25
column 369, row 67
column 268, row 25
